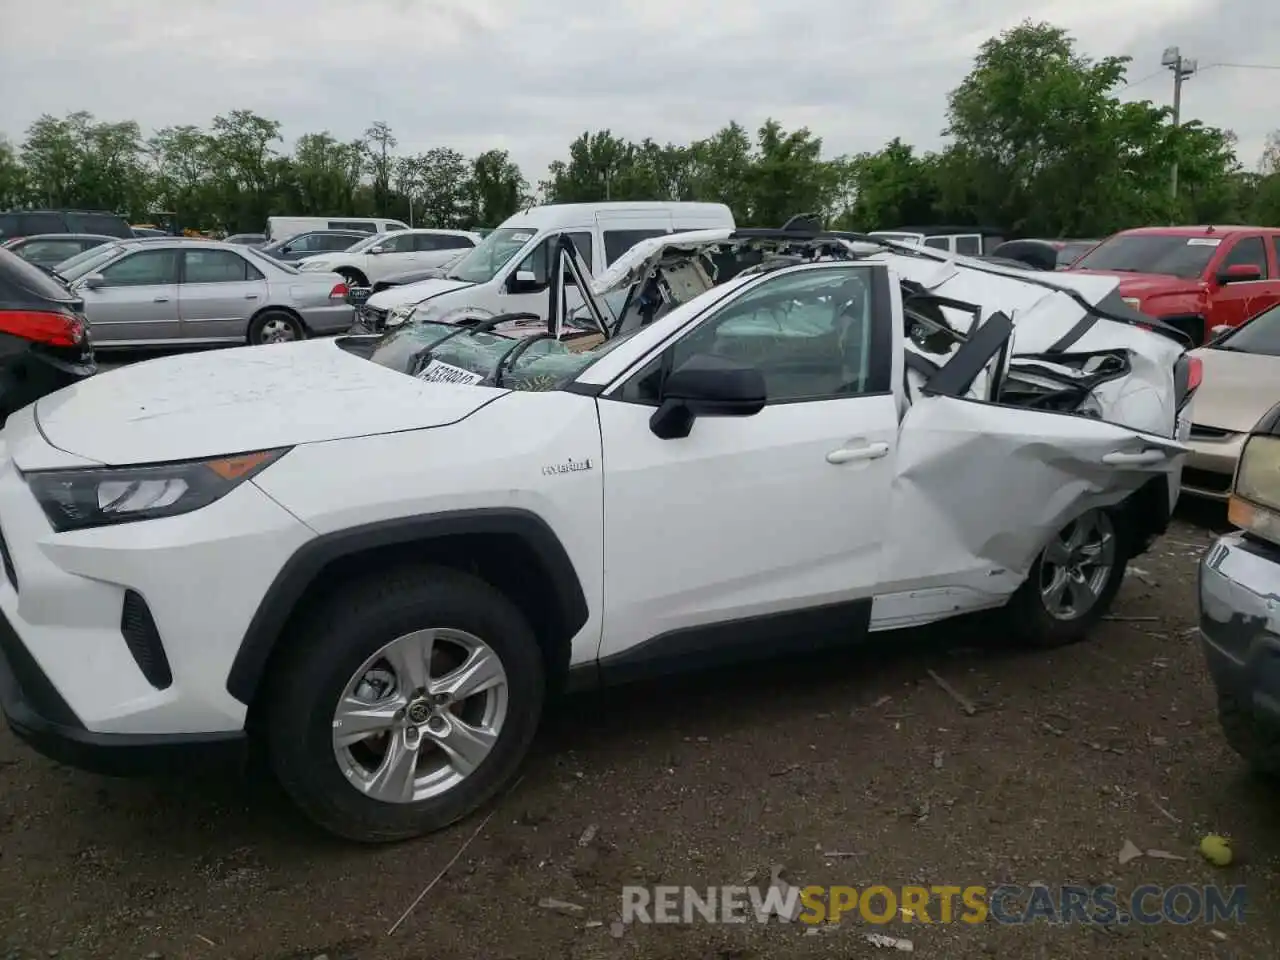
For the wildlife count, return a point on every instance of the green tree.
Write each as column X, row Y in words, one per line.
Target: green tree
column 1042, row 145
column 327, row 173
column 14, row 188
column 497, row 189
column 379, row 141
column 445, row 185
column 893, row 188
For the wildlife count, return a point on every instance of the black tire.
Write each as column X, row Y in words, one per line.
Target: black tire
column 327, row 646
column 1029, row 621
column 1256, row 741
column 267, row 321
column 353, row 277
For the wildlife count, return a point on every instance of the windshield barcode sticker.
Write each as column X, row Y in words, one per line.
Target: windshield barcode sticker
column 438, row 372
column 1204, row 241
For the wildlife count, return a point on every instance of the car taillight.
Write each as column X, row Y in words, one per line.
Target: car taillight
column 42, row 326
column 1195, row 373
column 1188, row 373
column 339, row 292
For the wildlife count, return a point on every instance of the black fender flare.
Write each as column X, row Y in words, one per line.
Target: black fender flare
column 302, row 569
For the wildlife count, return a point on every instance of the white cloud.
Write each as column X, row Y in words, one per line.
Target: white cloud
column 530, row 76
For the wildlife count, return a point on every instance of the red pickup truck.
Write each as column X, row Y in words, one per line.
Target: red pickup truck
column 1195, row 278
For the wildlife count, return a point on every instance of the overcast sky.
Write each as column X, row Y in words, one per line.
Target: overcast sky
column 529, row 75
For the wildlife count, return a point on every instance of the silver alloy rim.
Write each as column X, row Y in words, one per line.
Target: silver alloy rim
column 1076, row 565
column 420, row 715
column 277, row 331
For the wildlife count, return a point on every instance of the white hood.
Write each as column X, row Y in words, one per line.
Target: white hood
column 242, row 399
column 413, row 293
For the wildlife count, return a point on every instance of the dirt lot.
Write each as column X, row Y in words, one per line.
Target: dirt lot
column 705, row 781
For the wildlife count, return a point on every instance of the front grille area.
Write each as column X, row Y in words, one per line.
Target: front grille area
column 143, row 637
column 9, row 570
column 1206, row 480
column 1201, row 432
column 373, row 317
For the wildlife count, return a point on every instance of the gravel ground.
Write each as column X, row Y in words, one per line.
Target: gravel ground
column 701, row 781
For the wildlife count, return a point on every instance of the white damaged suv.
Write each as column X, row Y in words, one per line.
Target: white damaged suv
column 377, row 556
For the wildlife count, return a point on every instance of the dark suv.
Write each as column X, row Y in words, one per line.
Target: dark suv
column 312, row 243
column 28, row 223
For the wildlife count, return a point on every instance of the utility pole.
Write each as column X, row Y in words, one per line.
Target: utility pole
column 1183, row 68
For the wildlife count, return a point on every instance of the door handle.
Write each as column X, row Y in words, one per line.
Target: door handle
column 872, row 451
column 1143, row 459
column 251, row 296
column 160, row 300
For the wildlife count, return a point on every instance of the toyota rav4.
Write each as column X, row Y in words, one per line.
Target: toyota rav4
column 377, row 556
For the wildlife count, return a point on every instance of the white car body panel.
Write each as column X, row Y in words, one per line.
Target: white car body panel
column 496, row 461
column 243, row 399
column 882, row 499
column 753, row 520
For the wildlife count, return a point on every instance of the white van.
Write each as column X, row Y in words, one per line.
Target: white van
column 281, row 228
column 507, row 272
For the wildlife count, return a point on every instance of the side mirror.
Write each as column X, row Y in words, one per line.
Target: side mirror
column 1219, row 331
column 380, row 248
column 93, row 281
column 707, row 386
column 525, row 281
column 1240, row 273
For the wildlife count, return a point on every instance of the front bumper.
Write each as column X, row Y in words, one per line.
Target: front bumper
column 87, row 616
column 1211, row 465
column 1240, row 621
column 38, row 715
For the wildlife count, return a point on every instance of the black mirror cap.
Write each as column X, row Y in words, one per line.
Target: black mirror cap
column 707, row 386
column 706, row 380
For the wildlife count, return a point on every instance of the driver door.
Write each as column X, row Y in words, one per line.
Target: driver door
column 525, row 289
column 755, row 534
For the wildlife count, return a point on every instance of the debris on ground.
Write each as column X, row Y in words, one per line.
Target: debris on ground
column 1163, row 855
column 937, row 759
column 561, row 906
column 893, row 943
column 965, row 703
column 1216, row 849
column 588, row 835
column 1129, row 852
column 1115, row 619
column 1139, row 574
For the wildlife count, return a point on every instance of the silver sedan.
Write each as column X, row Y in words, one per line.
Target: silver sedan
column 175, row 291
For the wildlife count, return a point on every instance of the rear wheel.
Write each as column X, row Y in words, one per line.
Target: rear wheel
column 403, row 704
column 1072, row 583
column 353, row 277
column 275, row 326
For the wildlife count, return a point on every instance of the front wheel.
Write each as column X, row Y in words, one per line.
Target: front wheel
column 403, row 704
column 1072, row 583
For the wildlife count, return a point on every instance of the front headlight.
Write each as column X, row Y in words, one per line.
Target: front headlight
column 400, row 314
column 431, row 312
column 1133, row 302
column 77, row 499
column 1255, row 497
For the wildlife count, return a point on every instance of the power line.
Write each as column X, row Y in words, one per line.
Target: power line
column 1243, row 66
column 1135, row 83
